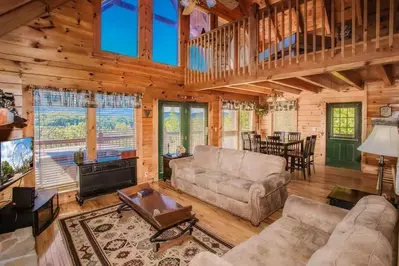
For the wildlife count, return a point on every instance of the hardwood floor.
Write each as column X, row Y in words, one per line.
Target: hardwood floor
column 233, row 229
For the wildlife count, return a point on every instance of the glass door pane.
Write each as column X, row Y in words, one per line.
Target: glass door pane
column 172, row 128
column 230, row 129
column 197, row 127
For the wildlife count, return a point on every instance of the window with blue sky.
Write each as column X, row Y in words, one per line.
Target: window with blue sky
column 119, row 26
column 165, row 32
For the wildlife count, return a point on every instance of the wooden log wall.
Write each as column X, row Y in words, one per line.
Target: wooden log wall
column 58, row 50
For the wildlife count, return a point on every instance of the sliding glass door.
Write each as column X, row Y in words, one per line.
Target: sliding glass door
column 181, row 124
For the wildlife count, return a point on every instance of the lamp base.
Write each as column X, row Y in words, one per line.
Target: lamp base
column 381, row 164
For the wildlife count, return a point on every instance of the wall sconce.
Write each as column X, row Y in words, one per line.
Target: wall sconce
column 147, row 112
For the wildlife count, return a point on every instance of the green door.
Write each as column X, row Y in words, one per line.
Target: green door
column 344, row 131
column 181, row 124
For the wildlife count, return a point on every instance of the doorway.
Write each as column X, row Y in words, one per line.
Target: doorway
column 344, row 131
column 181, row 124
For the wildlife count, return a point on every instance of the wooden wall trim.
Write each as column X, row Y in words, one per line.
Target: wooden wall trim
column 91, row 133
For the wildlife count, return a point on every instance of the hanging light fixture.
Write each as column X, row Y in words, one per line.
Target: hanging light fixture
column 210, row 3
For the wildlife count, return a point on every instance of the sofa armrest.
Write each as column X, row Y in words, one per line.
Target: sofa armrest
column 208, row 259
column 180, row 163
column 269, row 185
column 319, row 215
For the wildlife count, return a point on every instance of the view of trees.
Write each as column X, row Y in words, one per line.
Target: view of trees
column 344, row 122
column 6, row 169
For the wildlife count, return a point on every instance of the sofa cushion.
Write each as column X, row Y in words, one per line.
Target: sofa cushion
column 230, row 161
column 235, row 188
column 211, row 179
column 15, row 245
column 257, row 166
column 206, row 157
column 357, row 246
column 286, row 242
column 188, row 173
column 373, row 212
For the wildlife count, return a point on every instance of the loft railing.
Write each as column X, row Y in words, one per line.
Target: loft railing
column 308, row 32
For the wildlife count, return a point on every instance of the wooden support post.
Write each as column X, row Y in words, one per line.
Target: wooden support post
column 91, row 134
column 365, row 27
column 145, row 28
column 253, row 32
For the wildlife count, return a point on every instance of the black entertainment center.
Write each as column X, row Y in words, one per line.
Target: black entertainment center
column 105, row 176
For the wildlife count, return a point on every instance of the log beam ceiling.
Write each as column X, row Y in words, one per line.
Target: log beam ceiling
column 349, row 77
column 387, row 73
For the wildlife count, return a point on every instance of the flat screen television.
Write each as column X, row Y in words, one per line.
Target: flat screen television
column 16, row 158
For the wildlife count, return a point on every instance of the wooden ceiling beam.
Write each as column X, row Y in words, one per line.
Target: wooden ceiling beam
column 320, row 81
column 249, row 88
column 235, row 91
column 297, row 84
column 387, row 73
column 6, row 6
column 350, row 78
column 25, row 13
column 277, row 87
column 222, row 11
column 244, row 6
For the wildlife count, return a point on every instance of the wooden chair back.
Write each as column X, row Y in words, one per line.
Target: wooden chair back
column 272, row 146
column 308, row 146
column 279, row 134
column 313, row 143
column 293, row 136
column 246, row 141
column 257, row 143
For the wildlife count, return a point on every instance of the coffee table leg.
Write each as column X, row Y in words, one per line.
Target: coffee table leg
column 123, row 207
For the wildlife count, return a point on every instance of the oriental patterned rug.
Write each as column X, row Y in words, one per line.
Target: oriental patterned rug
column 100, row 237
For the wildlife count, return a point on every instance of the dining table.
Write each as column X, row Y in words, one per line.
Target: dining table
column 285, row 144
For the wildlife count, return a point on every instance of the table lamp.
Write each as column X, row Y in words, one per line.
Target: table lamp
column 383, row 141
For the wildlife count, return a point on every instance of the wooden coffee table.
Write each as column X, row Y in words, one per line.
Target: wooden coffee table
column 162, row 212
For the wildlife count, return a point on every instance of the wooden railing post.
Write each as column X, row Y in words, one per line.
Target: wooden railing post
column 253, row 34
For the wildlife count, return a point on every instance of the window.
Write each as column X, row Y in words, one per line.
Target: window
column 119, row 27
column 235, row 122
column 344, row 125
column 165, row 32
column 61, row 129
column 115, row 131
column 285, row 121
column 199, row 23
column 59, row 133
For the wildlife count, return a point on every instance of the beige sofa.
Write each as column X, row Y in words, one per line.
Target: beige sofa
column 315, row 234
column 18, row 248
column 248, row 184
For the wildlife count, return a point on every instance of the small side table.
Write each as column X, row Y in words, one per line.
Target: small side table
column 167, row 171
column 346, row 198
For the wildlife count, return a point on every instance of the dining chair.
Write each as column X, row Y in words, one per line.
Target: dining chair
column 279, row 134
column 293, row 136
column 272, row 146
column 246, row 141
column 300, row 160
column 311, row 153
column 259, row 145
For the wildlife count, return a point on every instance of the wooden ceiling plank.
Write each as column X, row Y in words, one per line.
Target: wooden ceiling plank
column 7, row 6
column 297, row 84
column 222, row 11
column 321, row 81
column 249, row 88
column 244, row 6
column 277, row 87
column 350, row 78
column 387, row 74
column 26, row 13
column 235, row 91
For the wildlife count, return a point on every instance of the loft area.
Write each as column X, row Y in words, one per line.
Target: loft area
column 188, row 132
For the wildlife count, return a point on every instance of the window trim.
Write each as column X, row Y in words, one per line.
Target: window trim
column 142, row 58
column 239, row 131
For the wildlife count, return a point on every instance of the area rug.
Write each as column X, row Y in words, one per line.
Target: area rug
column 100, row 237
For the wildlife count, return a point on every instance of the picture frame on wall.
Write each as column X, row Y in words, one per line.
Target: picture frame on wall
column 386, row 111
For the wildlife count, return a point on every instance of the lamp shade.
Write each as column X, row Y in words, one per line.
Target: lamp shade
column 383, row 140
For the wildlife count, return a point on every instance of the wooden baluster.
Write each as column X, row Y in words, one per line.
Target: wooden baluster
column 365, row 26
column 187, row 71
column 298, row 12
column 333, row 29
column 314, row 30
column 209, row 69
column 245, row 63
column 275, row 37
column 282, row 33
column 212, row 47
column 224, row 53
column 305, row 25
column 377, row 25
column 269, row 25
column 236, row 48
column 342, row 29
column 263, row 38
column 202, row 59
column 323, row 30
column 219, row 33
column 239, row 48
column 290, row 32
column 391, row 22
column 353, row 27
